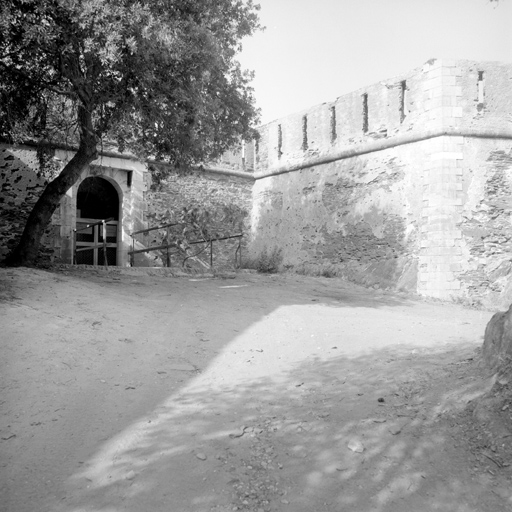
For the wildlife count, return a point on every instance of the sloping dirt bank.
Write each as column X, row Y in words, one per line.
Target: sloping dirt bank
column 130, row 392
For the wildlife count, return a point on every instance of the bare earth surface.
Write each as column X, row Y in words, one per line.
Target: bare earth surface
column 129, row 392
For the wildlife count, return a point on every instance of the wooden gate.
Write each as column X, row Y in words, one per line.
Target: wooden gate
column 96, row 242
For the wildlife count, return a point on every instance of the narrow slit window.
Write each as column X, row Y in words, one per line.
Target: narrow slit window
column 403, row 100
column 365, row 113
column 333, row 124
column 480, row 98
column 304, row 133
column 279, row 141
column 257, row 150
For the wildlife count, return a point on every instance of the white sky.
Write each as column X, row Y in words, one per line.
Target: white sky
column 313, row 51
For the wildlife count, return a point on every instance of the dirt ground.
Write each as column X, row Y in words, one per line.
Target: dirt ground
column 132, row 392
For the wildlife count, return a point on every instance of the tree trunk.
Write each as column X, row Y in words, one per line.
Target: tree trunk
column 27, row 250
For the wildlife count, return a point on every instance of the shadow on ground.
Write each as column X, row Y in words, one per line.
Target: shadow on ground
column 136, row 393
column 353, row 434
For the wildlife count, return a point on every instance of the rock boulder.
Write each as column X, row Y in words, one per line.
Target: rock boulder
column 497, row 348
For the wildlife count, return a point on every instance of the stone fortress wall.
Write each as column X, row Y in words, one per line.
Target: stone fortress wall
column 403, row 184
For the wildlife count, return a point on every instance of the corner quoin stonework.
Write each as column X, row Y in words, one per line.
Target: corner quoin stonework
column 403, row 184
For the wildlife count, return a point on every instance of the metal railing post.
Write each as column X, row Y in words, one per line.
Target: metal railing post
column 238, row 253
column 104, row 226
column 168, row 258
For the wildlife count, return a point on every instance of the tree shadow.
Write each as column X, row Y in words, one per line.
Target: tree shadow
column 345, row 434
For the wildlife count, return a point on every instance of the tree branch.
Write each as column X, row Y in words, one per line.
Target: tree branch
column 42, row 83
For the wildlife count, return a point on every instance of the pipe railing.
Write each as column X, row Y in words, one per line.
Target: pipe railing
column 169, row 245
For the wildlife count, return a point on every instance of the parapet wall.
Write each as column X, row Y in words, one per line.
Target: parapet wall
column 441, row 97
column 385, row 185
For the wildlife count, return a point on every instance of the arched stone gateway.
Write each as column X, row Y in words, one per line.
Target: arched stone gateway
column 97, row 222
column 110, row 188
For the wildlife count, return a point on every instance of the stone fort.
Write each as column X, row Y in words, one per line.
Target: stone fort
column 405, row 184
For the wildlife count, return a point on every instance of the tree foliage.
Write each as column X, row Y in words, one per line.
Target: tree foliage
column 156, row 77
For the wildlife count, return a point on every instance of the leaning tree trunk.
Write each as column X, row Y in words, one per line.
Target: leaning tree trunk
column 27, row 250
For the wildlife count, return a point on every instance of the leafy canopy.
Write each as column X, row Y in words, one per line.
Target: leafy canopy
column 158, row 77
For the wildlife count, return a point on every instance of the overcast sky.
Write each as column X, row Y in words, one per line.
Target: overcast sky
column 313, row 51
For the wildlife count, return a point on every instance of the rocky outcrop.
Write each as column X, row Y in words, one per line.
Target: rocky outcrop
column 493, row 410
column 497, row 349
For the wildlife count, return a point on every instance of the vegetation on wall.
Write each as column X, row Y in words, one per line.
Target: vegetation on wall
column 156, row 77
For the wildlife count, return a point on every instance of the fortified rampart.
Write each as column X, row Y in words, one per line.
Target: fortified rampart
column 403, row 184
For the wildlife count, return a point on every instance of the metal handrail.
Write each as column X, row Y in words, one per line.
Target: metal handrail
column 154, row 228
column 167, row 246
column 210, row 243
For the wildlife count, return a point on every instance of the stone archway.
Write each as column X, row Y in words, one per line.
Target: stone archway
column 97, row 211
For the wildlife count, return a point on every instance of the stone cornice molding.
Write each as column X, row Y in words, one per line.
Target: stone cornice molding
column 380, row 145
column 134, row 160
column 227, row 172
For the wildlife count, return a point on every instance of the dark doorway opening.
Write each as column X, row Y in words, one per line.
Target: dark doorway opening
column 97, row 220
column 97, row 199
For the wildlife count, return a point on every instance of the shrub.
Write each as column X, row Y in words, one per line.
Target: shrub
column 269, row 263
